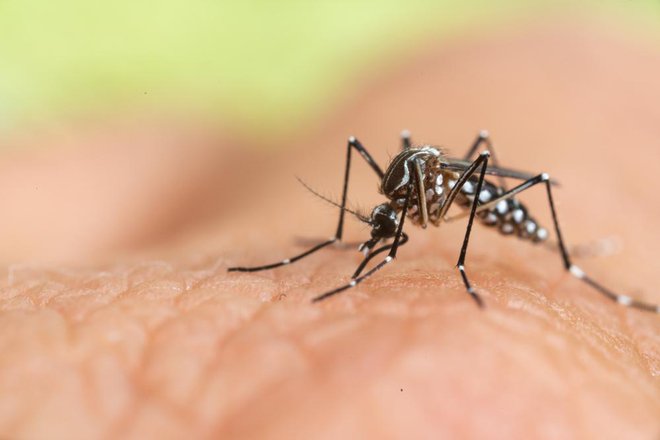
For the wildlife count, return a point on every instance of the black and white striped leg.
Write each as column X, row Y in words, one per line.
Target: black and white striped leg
column 390, row 256
column 481, row 162
column 405, row 140
column 363, row 264
column 566, row 259
column 483, row 138
column 353, row 143
column 563, row 250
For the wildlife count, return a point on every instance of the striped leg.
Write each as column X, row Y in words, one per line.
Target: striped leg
column 566, row 259
column 398, row 240
column 481, row 162
column 483, row 138
column 353, row 143
column 387, row 247
column 405, row 140
column 563, row 249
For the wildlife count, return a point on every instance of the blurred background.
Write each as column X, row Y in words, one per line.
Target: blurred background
column 262, row 68
column 108, row 109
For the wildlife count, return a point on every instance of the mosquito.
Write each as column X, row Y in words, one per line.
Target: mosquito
column 421, row 183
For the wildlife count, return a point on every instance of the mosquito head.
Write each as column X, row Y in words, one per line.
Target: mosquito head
column 384, row 221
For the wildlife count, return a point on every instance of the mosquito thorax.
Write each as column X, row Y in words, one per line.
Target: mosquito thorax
column 384, row 221
column 400, row 172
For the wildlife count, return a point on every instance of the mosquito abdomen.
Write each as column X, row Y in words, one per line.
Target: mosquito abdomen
column 510, row 217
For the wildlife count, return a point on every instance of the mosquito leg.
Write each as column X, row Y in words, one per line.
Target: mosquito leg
column 390, row 257
column 353, row 143
column 363, row 264
column 482, row 162
column 421, row 194
column 465, row 175
column 507, row 195
column 563, row 250
column 405, row 140
column 483, row 138
column 575, row 270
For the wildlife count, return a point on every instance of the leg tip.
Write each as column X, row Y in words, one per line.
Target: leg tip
column 239, row 269
column 475, row 296
column 320, row 298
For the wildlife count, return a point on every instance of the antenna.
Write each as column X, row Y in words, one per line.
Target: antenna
column 361, row 217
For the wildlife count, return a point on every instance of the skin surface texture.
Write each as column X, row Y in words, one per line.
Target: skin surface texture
column 130, row 327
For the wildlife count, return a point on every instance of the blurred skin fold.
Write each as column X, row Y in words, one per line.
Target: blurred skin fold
column 120, row 321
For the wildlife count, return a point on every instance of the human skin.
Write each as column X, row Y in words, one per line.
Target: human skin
column 130, row 327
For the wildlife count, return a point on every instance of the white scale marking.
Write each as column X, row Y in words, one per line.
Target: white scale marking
column 530, row 226
column 352, row 283
column 388, row 258
column 579, row 273
column 485, row 196
column 502, row 207
column 287, row 261
column 491, row 218
column 624, row 300
column 542, row 233
column 518, row 215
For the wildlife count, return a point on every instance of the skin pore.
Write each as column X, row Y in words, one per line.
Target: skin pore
column 130, row 326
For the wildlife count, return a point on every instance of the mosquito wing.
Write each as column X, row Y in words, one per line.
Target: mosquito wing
column 462, row 165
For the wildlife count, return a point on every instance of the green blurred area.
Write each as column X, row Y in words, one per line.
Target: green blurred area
column 257, row 65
